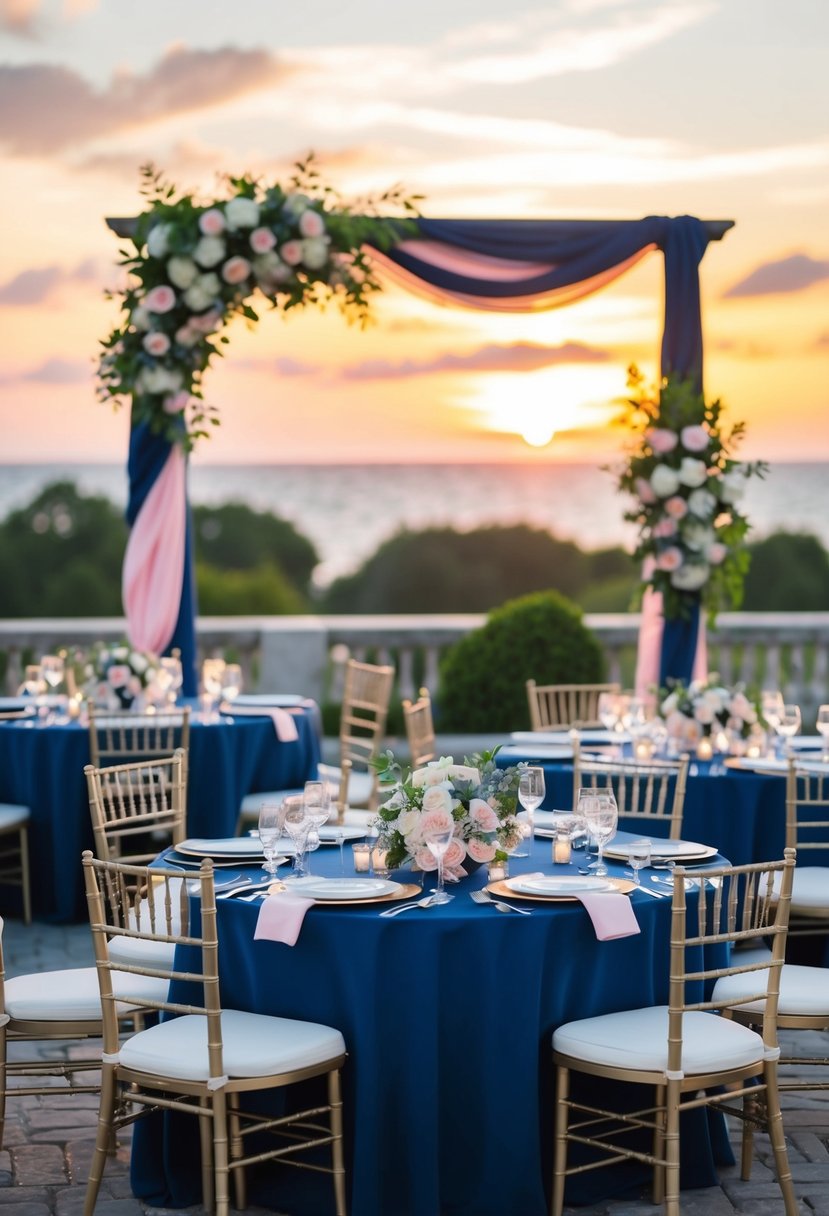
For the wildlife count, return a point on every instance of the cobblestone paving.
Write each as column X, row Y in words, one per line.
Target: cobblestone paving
column 47, row 1144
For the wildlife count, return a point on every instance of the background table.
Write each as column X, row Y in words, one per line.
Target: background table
column 447, row 1015
column 42, row 767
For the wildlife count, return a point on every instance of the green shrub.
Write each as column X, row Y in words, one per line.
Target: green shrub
column 483, row 677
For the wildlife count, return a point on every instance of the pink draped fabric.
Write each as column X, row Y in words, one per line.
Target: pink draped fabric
column 650, row 647
column 154, row 561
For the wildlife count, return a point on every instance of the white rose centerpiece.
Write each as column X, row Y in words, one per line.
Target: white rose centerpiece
column 116, row 676
column 478, row 797
column 708, row 708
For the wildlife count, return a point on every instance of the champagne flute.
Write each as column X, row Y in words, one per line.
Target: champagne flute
column 602, row 819
column 531, row 792
column 271, row 823
column 297, row 825
column 639, row 856
column 823, row 729
column 437, row 842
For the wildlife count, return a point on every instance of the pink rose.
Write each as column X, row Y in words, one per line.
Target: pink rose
column 694, row 438
column 455, row 854
column 425, row 859
column 262, row 240
column 664, row 529
column 661, row 441
column 434, row 821
column 311, row 223
column 643, row 489
column 206, row 322
column 676, row 507
column 176, row 403
column 482, row 815
column 212, row 222
column 717, row 553
column 291, row 252
column 481, row 850
column 669, row 559
column 118, row 675
column 156, row 343
column 236, row 270
column 160, row 299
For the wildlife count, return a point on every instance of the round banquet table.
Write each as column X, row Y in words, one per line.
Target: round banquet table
column 42, row 768
column 447, row 1014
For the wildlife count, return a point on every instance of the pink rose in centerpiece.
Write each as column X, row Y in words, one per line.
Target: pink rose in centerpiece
column 212, row 222
column 669, row 559
column 434, row 821
column 118, row 675
column 676, row 507
column 482, row 815
column 160, row 299
column 481, row 850
column 425, row 858
column 291, row 252
column 694, row 438
column 236, row 270
column 262, row 240
column 455, row 854
column 311, row 223
column 661, row 441
column 156, row 343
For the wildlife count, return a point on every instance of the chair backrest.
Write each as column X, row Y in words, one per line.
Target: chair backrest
column 365, row 708
column 645, row 790
column 131, row 801
column 737, row 905
column 420, row 728
column 152, row 905
column 121, row 738
column 807, row 812
column 565, row 705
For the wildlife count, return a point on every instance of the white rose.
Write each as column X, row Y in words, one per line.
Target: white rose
column 138, row 663
column 702, row 503
column 732, row 486
column 209, row 251
column 197, row 299
column 159, row 380
column 295, row 204
column 182, row 272
column 437, row 798
column 669, row 704
column 158, row 240
column 664, row 481
column 141, row 318
column 697, row 535
column 434, row 773
column 242, row 212
column 315, row 252
column 690, row 577
column 407, row 821
column 693, row 472
column 464, row 772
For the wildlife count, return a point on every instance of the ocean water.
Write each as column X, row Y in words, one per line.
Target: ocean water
column 348, row 510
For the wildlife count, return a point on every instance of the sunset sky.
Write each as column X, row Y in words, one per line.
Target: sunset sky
column 572, row 109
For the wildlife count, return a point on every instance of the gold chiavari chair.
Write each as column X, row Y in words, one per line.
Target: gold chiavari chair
column 807, row 830
column 562, row 706
column 685, row 1052
column 121, row 738
column 204, row 1059
column 650, row 792
column 420, row 728
column 138, row 804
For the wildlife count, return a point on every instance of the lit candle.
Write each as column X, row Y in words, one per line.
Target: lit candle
column 705, row 748
column 378, row 861
column 498, row 870
column 362, row 857
column 643, row 749
column 562, row 848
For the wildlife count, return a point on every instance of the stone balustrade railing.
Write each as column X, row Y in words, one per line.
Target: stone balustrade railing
column 306, row 654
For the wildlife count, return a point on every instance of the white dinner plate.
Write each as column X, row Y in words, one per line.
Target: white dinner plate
column 537, row 751
column 229, row 846
column 268, row 700
column 675, row 850
column 563, row 736
column 329, row 834
column 344, row 888
column 564, row 884
column 771, row 764
column 10, row 704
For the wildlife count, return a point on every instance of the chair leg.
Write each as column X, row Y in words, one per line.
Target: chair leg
column 24, row 876
column 220, row 1153
column 658, row 1184
column 103, row 1137
column 750, row 1108
column 778, row 1140
column 208, row 1196
column 672, row 1149
column 335, row 1101
column 240, row 1189
column 560, row 1145
column 2, row 1083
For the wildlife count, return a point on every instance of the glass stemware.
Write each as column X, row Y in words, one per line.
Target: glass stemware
column 271, row 824
column 771, row 707
column 639, row 856
column 231, row 682
column 602, row 818
column 823, row 729
column 437, row 842
column 531, row 790
column 581, row 829
column 788, row 725
column 297, row 825
column 52, row 669
column 316, row 801
column 608, row 710
column 212, row 672
column 173, row 676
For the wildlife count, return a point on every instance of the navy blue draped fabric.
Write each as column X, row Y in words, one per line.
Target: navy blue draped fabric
column 679, row 645
column 147, row 456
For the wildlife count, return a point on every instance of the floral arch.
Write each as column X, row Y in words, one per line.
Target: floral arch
column 194, row 265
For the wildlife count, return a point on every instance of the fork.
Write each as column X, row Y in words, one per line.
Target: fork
column 484, row 897
column 427, row 902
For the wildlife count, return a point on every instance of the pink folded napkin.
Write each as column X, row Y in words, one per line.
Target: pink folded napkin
column 281, row 917
column 611, row 913
column 283, row 721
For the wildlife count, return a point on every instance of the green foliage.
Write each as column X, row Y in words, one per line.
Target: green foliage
column 235, row 537
column 483, row 677
column 789, row 573
column 441, row 570
column 262, row 591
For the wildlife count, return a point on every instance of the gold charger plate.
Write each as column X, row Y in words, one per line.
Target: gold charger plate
column 623, row 885
column 407, row 890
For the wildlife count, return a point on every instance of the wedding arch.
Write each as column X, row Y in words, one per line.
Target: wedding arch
column 194, row 266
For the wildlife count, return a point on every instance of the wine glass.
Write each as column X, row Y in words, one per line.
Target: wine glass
column 788, row 725
column 531, row 792
column 771, row 706
column 212, row 672
column 639, row 856
column 581, row 829
column 52, row 669
column 437, row 842
column 316, row 800
column 608, row 711
column 602, row 818
column 823, row 728
column 231, row 682
column 271, row 823
column 173, row 676
column 297, row 825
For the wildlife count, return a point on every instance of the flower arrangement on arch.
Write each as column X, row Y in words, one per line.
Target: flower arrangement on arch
column 114, row 676
column 197, row 263
column 480, row 797
column 707, row 707
column 688, row 488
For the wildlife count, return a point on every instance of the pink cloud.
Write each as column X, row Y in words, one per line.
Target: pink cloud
column 794, row 273
column 40, row 283
column 494, row 357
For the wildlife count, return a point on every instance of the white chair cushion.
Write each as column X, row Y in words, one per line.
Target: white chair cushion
column 251, row 803
column 12, row 815
column 810, row 891
column 61, row 996
column 140, row 951
column 638, row 1038
column 804, row 991
column 254, row 1045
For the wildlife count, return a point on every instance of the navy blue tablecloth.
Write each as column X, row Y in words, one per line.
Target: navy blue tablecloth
column 447, row 1016
column 42, row 768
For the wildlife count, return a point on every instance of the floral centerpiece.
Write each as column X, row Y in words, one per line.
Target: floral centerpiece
column 116, row 676
column 707, row 707
column 688, row 488
column 480, row 797
column 196, row 264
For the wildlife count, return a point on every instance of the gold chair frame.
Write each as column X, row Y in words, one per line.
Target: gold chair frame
column 745, row 908
column 420, row 728
column 14, row 855
column 642, row 788
column 215, row 1100
column 565, row 706
column 807, row 812
column 132, row 800
column 124, row 737
column 363, row 716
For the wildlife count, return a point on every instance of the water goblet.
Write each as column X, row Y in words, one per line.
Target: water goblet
column 823, row 729
column 437, row 842
column 608, row 711
column 788, row 725
column 271, row 823
column 531, row 790
column 231, row 682
column 639, row 856
column 771, row 707
column 602, row 818
column 316, row 800
column 581, row 829
column 211, row 677
column 297, row 825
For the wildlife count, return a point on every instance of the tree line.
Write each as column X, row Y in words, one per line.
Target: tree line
column 61, row 556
